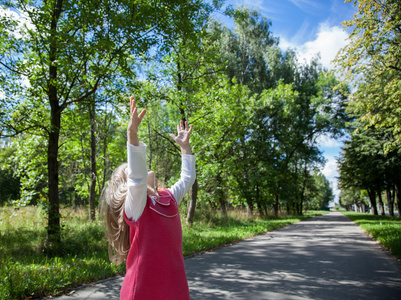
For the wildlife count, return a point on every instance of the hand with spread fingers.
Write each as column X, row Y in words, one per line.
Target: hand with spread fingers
column 134, row 122
column 182, row 137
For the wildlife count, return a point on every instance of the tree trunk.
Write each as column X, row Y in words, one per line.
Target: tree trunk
column 105, row 155
column 276, row 205
column 222, row 202
column 398, row 195
column 365, row 208
column 53, row 227
column 76, row 200
column 192, row 203
column 260, row 209
column 258, row 202
column 381, row 204
column 390, row 200
column 105, row 164
column 301, row 203
column 372, row 198
column 212, row 205
column 302, row 198
column 220, row 195
column 150, row 147
column 249, row 209
column 245, row 184
column 93, row 177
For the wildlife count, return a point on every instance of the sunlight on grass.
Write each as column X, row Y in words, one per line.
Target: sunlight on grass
column 27, row 269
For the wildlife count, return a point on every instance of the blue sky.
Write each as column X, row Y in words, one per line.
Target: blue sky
column 310, row 26
column 300, row 19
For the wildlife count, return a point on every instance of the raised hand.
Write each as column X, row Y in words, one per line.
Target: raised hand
column 182, row 137
column 134, row 122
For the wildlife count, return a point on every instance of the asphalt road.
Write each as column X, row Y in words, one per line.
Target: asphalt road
column 326, row 257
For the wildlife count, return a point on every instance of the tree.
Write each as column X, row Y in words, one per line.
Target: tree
column 251, row 53
column 222, row 123
column 192, row 63
column 372, row 62
column 323, row 195
column 29, row 165
column 365, row 165
column 353, row 196
column 253, row 57
column 287, row 121
column 9, row 183
column 68, row 50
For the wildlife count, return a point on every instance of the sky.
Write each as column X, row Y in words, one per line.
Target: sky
column 311, row 27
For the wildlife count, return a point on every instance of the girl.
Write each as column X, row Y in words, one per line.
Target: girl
column 143, row 223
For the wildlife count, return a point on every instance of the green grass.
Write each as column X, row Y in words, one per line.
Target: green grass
column 28, row 269
column 385, row 229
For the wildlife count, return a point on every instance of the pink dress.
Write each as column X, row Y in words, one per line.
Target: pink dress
column 155, row 263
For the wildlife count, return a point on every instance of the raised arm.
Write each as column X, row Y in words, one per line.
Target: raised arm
column 134, row 122
column 188, row 174
column 137, row 175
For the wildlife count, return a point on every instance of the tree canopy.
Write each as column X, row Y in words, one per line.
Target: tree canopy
column 371, row 63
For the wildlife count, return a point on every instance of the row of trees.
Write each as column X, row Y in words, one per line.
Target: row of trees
column 370, row 161
column 69, row 51
column 257, row 111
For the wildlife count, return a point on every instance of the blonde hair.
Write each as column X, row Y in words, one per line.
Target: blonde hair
column 112, row 212
column 112, row 205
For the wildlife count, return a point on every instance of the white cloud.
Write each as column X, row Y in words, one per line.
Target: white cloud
column 305, row 4
column 328, row 41
column 331, row 172
column 8, row 13
column 22, row 18
column 325, row 141
column 331, row 149
column 330, row 168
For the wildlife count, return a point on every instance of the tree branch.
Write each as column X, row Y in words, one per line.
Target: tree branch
column 166, row 138
column 18, row 132
column 12, row 70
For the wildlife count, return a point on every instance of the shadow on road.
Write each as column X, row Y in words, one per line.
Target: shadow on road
column 327, row 257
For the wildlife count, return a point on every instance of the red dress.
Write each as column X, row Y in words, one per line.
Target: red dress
column 155, row 263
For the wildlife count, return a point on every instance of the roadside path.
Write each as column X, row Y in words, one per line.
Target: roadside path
column 326, row 257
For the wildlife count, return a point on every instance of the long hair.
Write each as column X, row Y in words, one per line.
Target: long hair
column 112, row 205
column 112, row 212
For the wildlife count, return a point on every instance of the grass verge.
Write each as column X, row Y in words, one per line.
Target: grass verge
column 28, row 270
column 385, row 229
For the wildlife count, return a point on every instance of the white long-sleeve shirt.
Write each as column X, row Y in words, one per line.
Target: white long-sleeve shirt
column 138, row 180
